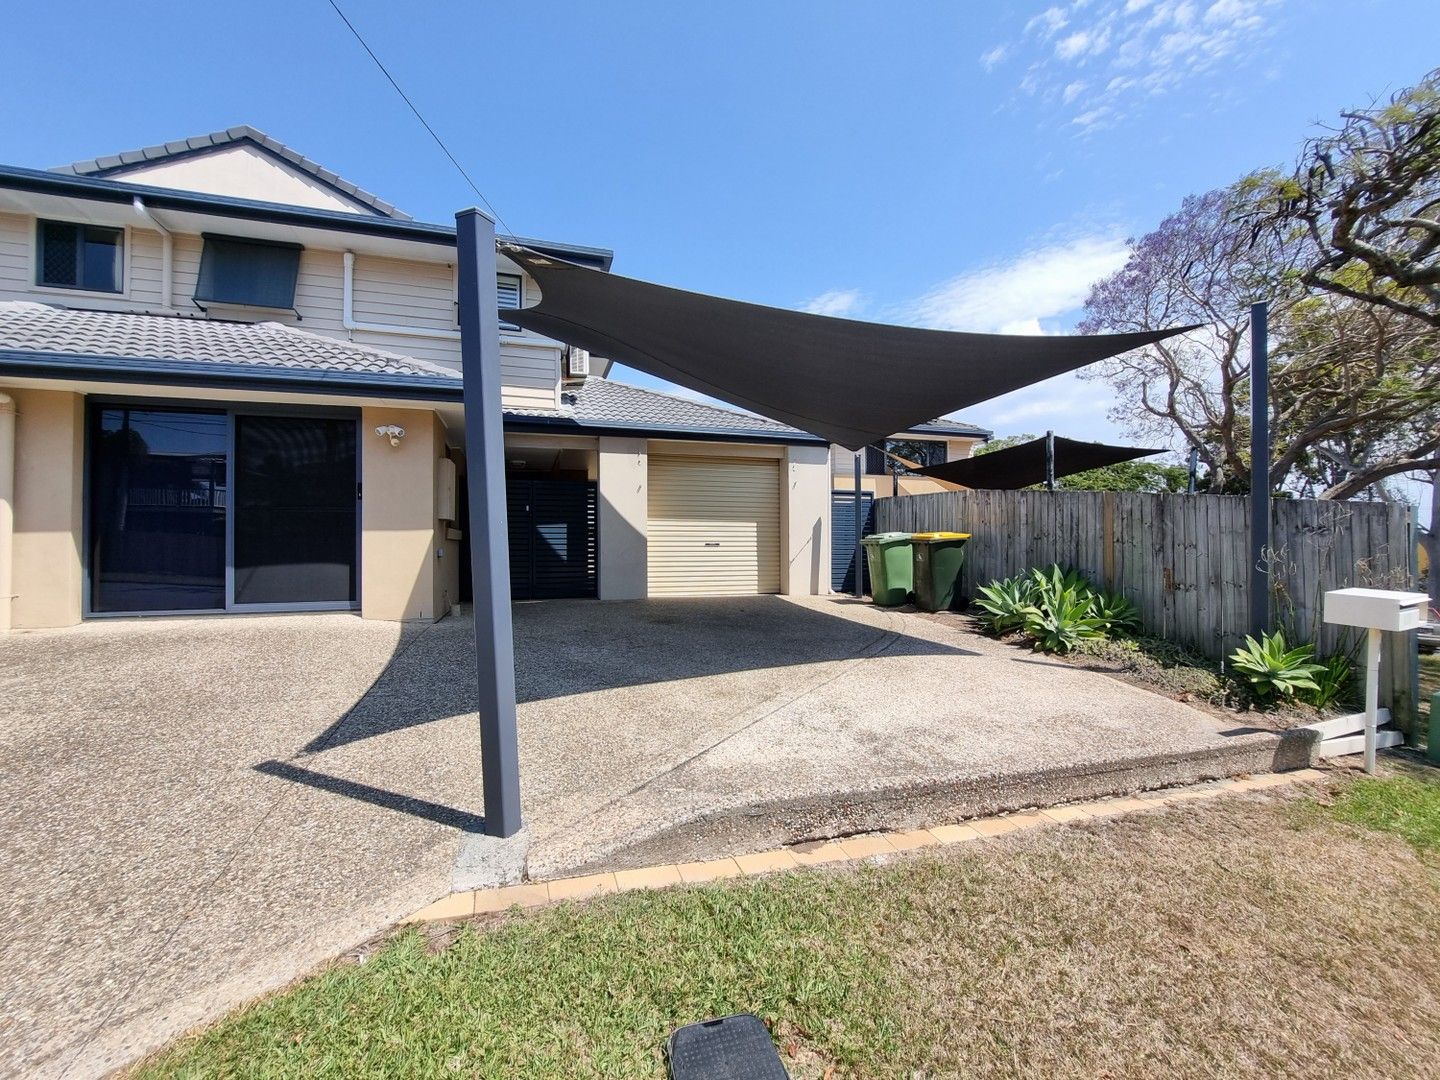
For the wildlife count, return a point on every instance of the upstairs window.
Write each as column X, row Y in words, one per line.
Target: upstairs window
column 249, row 273
column 72, row 256
column 507, row 289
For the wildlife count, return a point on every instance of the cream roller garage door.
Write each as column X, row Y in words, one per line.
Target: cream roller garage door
column 714, row 526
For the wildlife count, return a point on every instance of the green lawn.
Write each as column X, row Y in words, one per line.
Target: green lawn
column 1246, row 935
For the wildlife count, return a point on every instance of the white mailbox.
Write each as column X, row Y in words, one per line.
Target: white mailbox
column 1376, row 609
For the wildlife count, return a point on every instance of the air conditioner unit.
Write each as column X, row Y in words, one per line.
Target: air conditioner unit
column 577, row 362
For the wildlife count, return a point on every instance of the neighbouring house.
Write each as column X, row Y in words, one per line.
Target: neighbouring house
column 883, row 472
column 235, row 379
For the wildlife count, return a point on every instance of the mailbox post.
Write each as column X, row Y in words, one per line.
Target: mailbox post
column 1376, row 611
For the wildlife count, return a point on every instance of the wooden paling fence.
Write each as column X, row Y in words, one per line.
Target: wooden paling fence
column 1183, row 560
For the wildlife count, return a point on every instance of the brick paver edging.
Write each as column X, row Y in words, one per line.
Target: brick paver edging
column 849, row 849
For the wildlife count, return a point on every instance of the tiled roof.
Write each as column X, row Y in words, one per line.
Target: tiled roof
column 43, row 328
column 115, row 164
column 605, row 403
column 943, row 426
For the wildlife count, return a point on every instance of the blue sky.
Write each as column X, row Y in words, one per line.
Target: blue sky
column 961, row 165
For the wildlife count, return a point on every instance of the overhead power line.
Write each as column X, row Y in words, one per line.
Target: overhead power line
column 418, row 116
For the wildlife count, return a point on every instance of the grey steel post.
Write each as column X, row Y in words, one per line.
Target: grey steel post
column 1049, row 461
column 859, row 529
column 1194, row 469
column 1259, row 468
column 489, row 542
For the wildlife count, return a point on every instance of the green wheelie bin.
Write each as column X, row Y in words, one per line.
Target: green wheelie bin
column 938, row 559
column 888, row 556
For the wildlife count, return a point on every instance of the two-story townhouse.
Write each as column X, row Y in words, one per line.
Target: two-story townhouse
column 234, row 386
column 211, row 349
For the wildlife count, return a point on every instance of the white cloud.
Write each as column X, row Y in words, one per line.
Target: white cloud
column 836, row 302
column 1047, row 23
column 1096, row 119
column 1015, row 297
column 1082, row 44
column 1048, row 405
column 992, row 58
column 1133, row 49
column 1065, row 403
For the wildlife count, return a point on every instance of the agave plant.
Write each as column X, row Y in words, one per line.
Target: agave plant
column 1273, row 668
column 1056, row 579
column 1061, row 618
column 1117, row 615
column 1005, row 604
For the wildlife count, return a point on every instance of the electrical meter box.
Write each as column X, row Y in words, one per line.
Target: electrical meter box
column 1377, row 609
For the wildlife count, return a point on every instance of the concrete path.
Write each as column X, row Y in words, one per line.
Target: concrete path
column 197, row 810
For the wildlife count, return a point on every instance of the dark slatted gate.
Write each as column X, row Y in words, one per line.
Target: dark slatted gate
column 842, row 538
column 553, row 550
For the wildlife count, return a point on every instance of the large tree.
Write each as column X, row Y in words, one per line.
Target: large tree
column 1354, row 385
column 1202, row 264
column 1367, row 194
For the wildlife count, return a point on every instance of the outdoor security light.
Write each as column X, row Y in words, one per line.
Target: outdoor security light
column 394, row 432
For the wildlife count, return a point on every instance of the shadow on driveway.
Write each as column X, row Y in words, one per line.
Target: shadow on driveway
column 565, row 648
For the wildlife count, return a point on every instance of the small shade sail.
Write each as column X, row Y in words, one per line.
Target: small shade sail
column 848, row 382
column 1023, row 465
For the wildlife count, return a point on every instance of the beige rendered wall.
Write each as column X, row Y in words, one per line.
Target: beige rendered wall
column 624, row 467
column 398, row 564
column 805, row 524
column 49, row 471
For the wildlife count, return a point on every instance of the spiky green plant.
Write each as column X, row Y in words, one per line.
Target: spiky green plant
column 1273, row 669
column 1005, row 604
column 1334, row 683
column 1117, row 615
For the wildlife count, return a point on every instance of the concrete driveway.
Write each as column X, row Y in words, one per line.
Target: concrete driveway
column 197, row 810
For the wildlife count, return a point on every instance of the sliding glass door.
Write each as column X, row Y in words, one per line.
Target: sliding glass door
column 157, row 509
column 210, row 510
column 295, row 532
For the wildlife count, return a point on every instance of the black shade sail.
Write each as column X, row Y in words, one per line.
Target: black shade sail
column 1024, row 465
column 849, row 382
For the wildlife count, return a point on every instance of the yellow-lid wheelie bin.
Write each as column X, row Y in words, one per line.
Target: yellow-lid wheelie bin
column 938, row 559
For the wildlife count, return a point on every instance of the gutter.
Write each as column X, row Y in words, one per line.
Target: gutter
column 43, row 182
column 25, row 364
column 571, row 426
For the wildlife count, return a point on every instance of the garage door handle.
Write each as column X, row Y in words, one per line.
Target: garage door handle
column 712, row 543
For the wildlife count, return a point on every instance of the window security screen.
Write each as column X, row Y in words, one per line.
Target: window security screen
column 72, row 256
column 253, row 273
